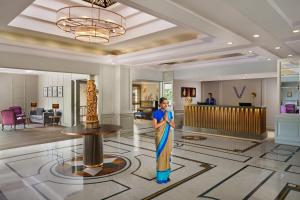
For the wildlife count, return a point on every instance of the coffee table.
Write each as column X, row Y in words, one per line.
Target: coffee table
column 93, row 142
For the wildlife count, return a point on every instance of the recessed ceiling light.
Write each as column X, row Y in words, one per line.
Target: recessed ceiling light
column 256, row 36
column 277, row 48
column 269, row 59
column 250, row 51
column 290, row 55
column 296, row 31
column 229, row 43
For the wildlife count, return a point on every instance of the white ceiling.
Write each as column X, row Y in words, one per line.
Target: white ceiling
column 40, row 16
column 29, row 72
column 159, row 22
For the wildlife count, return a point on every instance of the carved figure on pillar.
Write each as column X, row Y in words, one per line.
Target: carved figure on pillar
column 91, row 115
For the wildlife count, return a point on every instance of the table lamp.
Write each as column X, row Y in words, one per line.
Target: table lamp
column 55, row 106
column 33, row 105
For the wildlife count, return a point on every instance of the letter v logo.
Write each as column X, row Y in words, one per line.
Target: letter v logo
column 239, row 95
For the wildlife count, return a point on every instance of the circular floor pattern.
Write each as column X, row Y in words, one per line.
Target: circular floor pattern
column 193, row 137
column 74, row 167
column 282, row 152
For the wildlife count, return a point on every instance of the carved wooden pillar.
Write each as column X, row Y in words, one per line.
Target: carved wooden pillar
column 92, row 120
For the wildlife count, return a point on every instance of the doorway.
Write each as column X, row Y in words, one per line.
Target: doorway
column 145, row 95
column 80, row 102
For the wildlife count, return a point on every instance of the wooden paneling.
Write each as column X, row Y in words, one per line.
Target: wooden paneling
column 249, row 122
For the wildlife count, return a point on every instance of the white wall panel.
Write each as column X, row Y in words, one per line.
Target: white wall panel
column 18, row 90
column 270, row 100
column 58, row 79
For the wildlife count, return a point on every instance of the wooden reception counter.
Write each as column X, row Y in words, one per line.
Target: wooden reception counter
column 246, row 122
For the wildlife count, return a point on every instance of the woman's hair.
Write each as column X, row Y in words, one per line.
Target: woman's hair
column 162, row 99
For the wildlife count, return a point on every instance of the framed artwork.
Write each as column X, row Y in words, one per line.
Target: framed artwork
column 60, row 92
column 184, row 92
column 45, row 91
column 54, row 91
column 289, row 94
column 193, row 92
column 49, row 91
column 188, row 92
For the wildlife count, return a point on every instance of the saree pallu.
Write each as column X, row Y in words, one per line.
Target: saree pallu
column 163, row 143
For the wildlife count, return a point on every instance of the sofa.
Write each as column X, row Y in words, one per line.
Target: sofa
column 41, row 116
column 144, row 113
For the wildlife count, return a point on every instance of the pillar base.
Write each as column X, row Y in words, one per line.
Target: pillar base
column 92, row 124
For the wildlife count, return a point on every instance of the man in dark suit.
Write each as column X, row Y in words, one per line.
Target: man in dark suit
column 210, row 100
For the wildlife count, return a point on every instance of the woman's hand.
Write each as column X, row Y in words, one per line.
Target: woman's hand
column 166, row 117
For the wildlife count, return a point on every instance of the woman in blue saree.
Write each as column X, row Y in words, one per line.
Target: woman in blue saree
column 162, row 122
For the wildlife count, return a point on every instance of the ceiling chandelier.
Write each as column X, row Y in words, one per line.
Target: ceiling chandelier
column 91, row 23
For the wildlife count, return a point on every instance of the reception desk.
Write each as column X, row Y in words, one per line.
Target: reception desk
column 246, row 122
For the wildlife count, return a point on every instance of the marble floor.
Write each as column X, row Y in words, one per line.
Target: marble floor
column 206, row 167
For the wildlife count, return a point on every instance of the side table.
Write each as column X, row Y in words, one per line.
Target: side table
column 55, row 119
column 26, row 118
column 93, row 142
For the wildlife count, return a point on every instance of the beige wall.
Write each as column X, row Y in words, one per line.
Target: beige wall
column 265, row 89
column 213, row 87
column 146, row 75
column 25, row 60
column 178, row 100
column 228, row 95
column 18, row 90
column 225, row 94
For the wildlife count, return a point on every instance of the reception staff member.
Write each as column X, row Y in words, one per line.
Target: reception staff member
column 210, row 100
column 163, row 122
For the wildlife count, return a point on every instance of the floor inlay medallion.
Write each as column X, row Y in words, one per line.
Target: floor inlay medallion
column 75, row 168
column 193, row 137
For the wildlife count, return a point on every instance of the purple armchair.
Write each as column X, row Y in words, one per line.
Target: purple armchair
column 17, row 110
column 289, row 108
column 10, row 118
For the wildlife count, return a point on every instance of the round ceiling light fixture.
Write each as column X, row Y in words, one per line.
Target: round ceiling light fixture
column 91, row 24
column 256, row 36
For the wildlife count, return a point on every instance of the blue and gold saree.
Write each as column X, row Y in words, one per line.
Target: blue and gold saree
column 163, row 141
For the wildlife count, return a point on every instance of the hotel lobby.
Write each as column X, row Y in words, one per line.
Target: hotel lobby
column 81, row 79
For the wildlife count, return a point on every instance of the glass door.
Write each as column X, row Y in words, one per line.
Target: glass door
column 136, row 97
column 289, row 86
column 168, row 92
